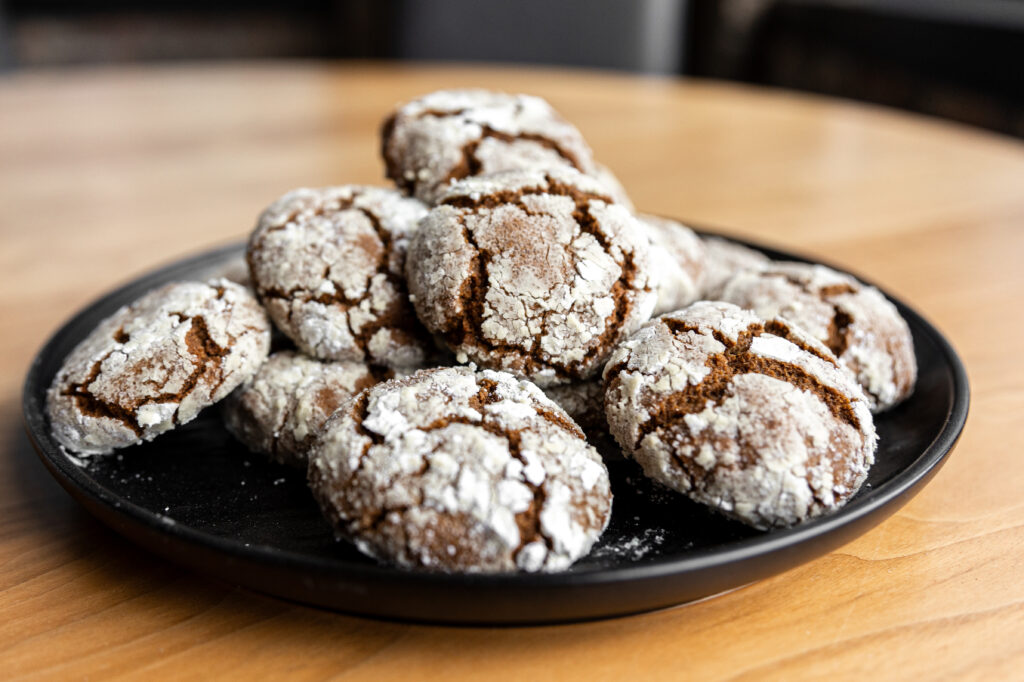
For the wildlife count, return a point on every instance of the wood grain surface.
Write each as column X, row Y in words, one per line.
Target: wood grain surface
column 106, row 174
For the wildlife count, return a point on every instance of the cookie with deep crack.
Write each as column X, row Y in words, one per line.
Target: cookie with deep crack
column 856, row 321
column 154, row 364
column 677, row 262
column 723, row 260
column 280, row 410
column 454, row 134
column 328, row 266
column 535, row 273
column 455, row 470
column 752, row 417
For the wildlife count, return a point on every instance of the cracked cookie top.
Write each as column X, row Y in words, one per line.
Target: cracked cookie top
column 454, row 134
column 281, row 409
column 155, row 364
column 328, row 265
column 677, row 262
column 455, row 470
column 724, row 259
column 752, row 417
column 534, row 273
column 857, row 323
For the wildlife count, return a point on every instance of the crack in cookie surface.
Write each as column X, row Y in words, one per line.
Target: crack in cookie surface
column 837, row 338
column 89, row 404
column 149, row 367
column 447, row 136
column 471, row 165
column 527, row 521
column 464, row 327
column 748, row 416
column 206, row 356
column 336, row 280
column 280, row 411
column 420, row 469
column 855, row 321
column 737, row 360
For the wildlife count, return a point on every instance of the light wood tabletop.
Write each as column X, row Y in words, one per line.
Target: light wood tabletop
column 105, row 174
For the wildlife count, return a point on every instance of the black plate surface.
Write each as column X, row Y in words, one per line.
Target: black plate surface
column 197, row 497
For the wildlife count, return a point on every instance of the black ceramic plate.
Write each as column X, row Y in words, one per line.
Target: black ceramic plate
column 197, row 497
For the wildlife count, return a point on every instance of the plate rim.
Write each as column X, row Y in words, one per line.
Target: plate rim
column 887, row 498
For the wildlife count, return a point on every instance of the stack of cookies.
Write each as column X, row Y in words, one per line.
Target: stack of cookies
column 462, row 342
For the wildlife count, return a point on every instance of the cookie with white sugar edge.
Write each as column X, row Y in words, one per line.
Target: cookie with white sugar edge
column 535, row 273
column 677, row 262
column 280, row 410
column 455, row 470
column 723, row 260
column 328, row 266
column 154, row 364
column 449, row 135
column 749, row 416
column 856, row 321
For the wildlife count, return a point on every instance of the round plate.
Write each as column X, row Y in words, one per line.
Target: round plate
column 199, row 498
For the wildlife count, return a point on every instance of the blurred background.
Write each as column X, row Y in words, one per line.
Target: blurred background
column 957, row 59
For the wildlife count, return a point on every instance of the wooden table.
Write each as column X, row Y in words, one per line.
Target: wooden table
column 106, row 174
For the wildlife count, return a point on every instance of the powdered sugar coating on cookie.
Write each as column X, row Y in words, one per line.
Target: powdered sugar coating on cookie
column 677, row 262
column 154, row 364
column 858, row 324
column 454, row 134
column 328, row 265
column 456, row 470
column 535, row 273
column 749, row 416
column 281, row 409
column 723, row 260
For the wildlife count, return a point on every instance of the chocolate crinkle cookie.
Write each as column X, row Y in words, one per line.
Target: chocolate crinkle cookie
column 328, row 265
column 723, row 260
column 677, row 262
column 454, row 134
column 455, row 470
column 155, row 364
column 535, row 273
column 749, row 416
column 281, row 409
column 858, row 324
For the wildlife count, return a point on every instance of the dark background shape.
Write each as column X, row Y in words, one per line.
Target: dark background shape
column 962, row 60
